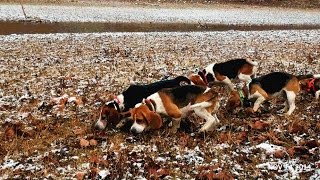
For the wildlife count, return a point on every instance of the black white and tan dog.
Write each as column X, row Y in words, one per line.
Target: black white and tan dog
column 176, row 103
column 312, row 85
column 112, row 111
column 224, row 72
column 268, row 86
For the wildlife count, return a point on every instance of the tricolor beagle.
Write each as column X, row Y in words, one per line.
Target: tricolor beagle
column 269, row 86
column 111, row 111
column 224, row 72
column 176, row 103
column 312, row 85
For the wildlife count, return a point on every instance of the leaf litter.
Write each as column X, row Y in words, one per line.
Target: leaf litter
column 53, row 85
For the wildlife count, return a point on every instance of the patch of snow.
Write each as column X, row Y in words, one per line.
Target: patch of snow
column 104, row 173
column 150, row 14
column 269, row 148
column 160, row 159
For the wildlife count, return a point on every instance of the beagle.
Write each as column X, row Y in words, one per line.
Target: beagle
column 113, row 111
column 176, row 103
column 242, row 69
column 269, row 86
column 312, row 85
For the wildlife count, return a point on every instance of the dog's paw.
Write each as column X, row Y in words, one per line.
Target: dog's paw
column 207, row 128
column 249, row 110
column 173, row 130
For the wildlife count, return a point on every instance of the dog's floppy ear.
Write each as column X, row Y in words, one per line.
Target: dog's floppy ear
column 304, row 82
column 245, row 88
column 196, row 79
column 154, row 119
column 125, row 114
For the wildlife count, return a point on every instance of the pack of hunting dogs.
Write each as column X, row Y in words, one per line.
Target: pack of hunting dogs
column 144, row 106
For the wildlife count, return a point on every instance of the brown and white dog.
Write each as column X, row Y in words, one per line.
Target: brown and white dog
column 269, row 86
column 224, row 72
column 176, row 103
column 312, row 85
column 114, row 111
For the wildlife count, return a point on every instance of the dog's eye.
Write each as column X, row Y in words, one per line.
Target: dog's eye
column 139, row 121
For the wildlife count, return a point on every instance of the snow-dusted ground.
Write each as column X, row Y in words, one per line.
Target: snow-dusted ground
column 36, row 68
column 220, row 15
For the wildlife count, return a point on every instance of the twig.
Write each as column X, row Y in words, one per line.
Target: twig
column 24, row 13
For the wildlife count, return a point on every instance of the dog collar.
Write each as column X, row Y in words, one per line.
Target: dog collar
column 311, row 87
column 151, row 104
column 117, row 100
column 242, row 97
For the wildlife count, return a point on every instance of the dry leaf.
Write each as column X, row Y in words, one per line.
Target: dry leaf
column 275, row 140
column 298, row 150
column 258, row 139
column 224, row 137
column 78, row 131
column 242, row 136
column 9, row 133
column 183, row 141
column 297, row 126
column 224, row 175
column 84, row 143
column 162, row 172
column 279, row 154
column 80, row 175
column 259, row 125
column 310, row 144
column 93, row 142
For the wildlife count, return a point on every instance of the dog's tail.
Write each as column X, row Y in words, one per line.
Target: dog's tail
column 207, row 103
column 202, row 105
column 317, row 76
column 307, row 76
column 253, row 63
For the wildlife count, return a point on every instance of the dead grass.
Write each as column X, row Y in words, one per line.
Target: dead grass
column 51, row 139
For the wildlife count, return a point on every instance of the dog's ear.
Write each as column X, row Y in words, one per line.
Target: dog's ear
column 154, row 119
column 304, row 82
column 124, row 115
column 233, row 100
column 196, row 79
column 245, row 89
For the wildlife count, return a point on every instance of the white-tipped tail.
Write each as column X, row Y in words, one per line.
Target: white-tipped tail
column 253, row 63
column 201, row 105
column 317, row 76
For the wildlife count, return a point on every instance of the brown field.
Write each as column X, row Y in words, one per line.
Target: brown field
column 42, row 139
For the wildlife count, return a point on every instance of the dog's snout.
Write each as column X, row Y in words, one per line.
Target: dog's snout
column 133, row 131
column 100, row 125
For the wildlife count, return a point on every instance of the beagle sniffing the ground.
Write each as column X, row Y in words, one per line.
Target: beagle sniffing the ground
column 270, row 86
column 312, row 85
column 112, row 111
column 242, row 69
column 176, row 103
